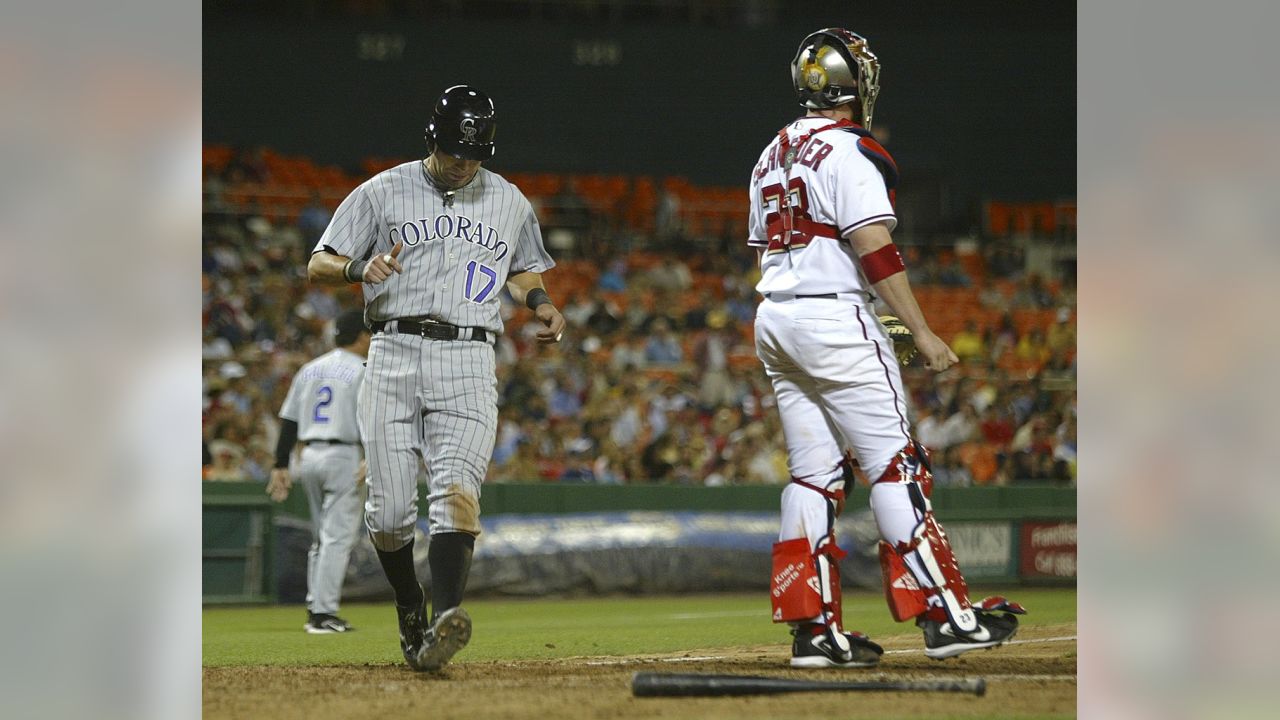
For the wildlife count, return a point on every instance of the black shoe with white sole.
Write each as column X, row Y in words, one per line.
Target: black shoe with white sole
column 447, row 635
column 825, row 650
column 942, row 640
column 325, row 624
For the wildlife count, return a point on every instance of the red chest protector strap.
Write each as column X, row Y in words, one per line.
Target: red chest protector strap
column 787, row 222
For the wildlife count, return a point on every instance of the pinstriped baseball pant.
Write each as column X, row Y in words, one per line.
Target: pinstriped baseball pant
column 327, row 474
column 433, row 402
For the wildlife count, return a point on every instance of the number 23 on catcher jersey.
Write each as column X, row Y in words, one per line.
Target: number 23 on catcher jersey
column 833, row 188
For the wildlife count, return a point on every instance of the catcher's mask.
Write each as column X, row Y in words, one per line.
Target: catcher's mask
column 833, row 67
column 463, row 124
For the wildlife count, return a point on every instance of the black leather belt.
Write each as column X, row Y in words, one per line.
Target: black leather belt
column 327, row 442
column 436, row 330
column 823, row 296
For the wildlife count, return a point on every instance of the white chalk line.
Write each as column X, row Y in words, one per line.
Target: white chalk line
column 1063, row 638
column 909, row 651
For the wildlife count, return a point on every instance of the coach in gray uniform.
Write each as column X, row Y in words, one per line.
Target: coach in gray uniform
column 320, row 413
column 433, row 242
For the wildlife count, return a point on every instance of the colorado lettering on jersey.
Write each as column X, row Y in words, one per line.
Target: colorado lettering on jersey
column 460, row 227
column 810, row 155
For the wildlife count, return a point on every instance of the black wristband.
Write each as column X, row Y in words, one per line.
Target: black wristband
column 353, row 271
column 536, row 297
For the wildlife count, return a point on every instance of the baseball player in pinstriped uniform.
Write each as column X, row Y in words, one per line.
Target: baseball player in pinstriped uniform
column 320, row 413
column 820, row 217
column 434, row 242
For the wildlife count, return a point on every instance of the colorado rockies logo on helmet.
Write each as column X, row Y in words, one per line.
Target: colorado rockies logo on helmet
column 468, row 128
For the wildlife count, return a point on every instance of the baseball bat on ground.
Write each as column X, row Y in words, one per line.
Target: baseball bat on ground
column 645, row 684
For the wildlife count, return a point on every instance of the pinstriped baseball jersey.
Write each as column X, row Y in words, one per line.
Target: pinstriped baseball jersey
column 322, row 397
column 459, row 247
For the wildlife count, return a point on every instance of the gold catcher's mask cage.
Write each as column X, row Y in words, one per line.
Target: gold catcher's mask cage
column 833, row 67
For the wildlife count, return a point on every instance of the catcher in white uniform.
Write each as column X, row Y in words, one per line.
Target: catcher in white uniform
column 821, row 214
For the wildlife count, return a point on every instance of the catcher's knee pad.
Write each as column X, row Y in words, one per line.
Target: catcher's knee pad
column 922, row 565
column 910, row 465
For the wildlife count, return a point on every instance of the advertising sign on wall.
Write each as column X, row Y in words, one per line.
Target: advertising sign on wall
column 983, row 549
column 1048, row 549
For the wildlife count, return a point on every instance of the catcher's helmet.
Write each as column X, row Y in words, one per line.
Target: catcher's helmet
column 834, row 66
column 462, row 124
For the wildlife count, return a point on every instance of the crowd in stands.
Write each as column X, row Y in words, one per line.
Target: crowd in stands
column 656, row 380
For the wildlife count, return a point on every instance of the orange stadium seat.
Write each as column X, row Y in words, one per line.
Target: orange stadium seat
column 998, row 219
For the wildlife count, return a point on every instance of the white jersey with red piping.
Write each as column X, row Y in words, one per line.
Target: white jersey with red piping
column 839, row 179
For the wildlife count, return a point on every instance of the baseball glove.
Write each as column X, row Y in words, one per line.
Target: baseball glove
column 904, row 344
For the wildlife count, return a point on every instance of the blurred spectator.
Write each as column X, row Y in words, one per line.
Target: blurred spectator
column 667, row 218
column 628, row 353
column 949, row 471
column 312, row 221
column 1064, row 447
column 662, row 347
column 923, row 271
column 1032, row 293
column 669, row 276
column 951, row 274
column 928, row 429
column 1062, row 334
column 968, row 344
column 578, row 469
column 578, row 309
column 228, row 459
column 1032, row 348
column 609, row 467
column 960, row 427
column 1004, row 259
column 614, row 278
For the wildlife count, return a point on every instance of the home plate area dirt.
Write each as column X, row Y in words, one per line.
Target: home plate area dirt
column 1033, row 677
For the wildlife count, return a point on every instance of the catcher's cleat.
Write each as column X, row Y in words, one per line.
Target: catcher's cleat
column 448, row 634
column 823, row 650
column 413, row 624
column 942, row 640
column 326, row 624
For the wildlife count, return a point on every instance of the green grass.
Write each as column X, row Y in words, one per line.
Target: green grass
column 553, row 628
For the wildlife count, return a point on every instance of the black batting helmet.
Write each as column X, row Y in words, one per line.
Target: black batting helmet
column 348, row 326
column 463, row 124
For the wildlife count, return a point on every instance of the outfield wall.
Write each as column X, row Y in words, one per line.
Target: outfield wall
column 573, row 539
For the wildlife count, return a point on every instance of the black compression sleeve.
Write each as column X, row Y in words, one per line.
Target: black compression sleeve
column 284, row 445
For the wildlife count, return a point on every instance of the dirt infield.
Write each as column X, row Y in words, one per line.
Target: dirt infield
column 1033, row 677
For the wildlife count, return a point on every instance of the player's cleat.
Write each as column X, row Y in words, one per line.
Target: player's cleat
column 325, row 624
column 450, row 633
column 823, row 651
column 942, row 641
column 413, row 630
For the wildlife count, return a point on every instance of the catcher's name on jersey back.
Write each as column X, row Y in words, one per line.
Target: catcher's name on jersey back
column 800, row 216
